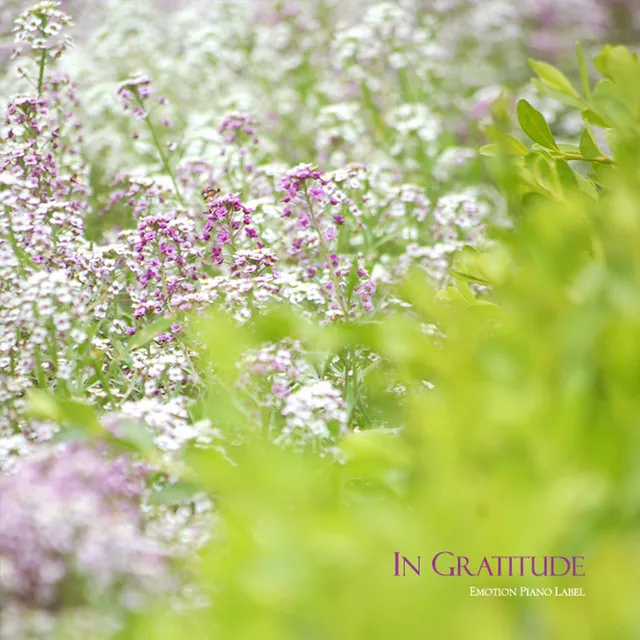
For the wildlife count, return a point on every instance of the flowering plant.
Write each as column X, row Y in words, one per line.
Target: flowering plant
column 268, row 313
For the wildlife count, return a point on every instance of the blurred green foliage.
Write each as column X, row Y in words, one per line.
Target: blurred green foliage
column 527, row 444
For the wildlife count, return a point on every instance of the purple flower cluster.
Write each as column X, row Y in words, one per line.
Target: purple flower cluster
column 137, row 193
column 47, row 204
column 312, row 230
column 229, row 221
column 70, row 514
column 166, row 259
column 236, row 124
column 133, row 92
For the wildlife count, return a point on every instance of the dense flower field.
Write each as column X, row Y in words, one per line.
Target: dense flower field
column 257, row 259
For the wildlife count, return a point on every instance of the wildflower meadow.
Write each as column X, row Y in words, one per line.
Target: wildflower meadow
column 319, row 320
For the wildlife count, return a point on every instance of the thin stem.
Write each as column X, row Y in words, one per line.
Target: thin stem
column 598, row 159
column 97, row 367
column 43, row 62
column 40, row 374
column 165, row 160
column 163, row 157
column 18, row 251
column 43, row 59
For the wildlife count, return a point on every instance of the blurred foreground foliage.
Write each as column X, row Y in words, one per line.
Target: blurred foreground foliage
column 526, row 440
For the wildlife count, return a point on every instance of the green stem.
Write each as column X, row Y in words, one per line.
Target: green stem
column 43, row 62
column 40, row 374
column 43, row 58
column 575, row 156
column 165, row 161
column 97, row 367
column 161, row 153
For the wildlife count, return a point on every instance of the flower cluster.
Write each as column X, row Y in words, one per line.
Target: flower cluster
column 236, row 124
column 384, row 40
column 168, row 421
column 140, row 194
column 165, row 257
column 40, row 28
column 231, row 222
column 70, row 513
column 315, row 411
column 42, row 209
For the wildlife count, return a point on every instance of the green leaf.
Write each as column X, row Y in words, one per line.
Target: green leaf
column 71, row 434
column 584, row 74
column 586, row 186
column 467, row 277
column 465, row 291
column 545, row 173
column 621, row 66
column 609, row 105
column 352, row 281
column 82, row 415
column 594, row 118
column 570, row 101
column 467, row 267
column 567, row 175
column 22, row 254
column 43, row 405
column 508, row 145
column 611, row 136
column 149, row 333
column 553, row 77
column 535, row 126
column 617, row 63
column 602, row 174
column 588, row 146
column 176, row 493
column 134, row 436
column 534, row 201
column 489, row 150
column 527, row 180
column 494, row 264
